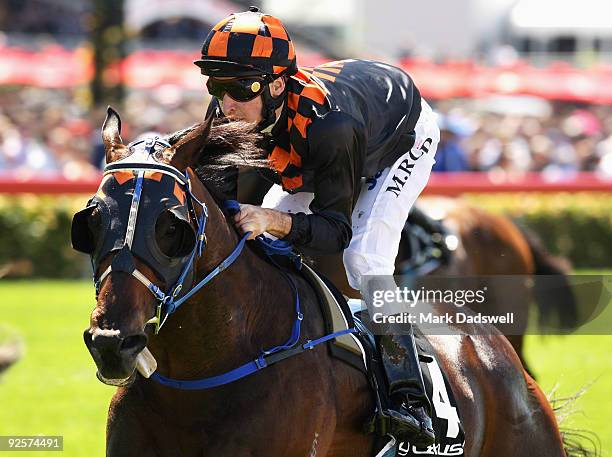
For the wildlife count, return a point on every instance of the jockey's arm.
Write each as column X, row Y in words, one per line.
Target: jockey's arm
column 336, row 150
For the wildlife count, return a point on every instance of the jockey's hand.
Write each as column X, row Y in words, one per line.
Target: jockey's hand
column 258, row 220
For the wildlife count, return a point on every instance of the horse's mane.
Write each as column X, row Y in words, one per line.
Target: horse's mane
column 230, row 144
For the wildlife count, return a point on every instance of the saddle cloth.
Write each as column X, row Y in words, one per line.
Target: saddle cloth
column 357, row 349
column 450, row 437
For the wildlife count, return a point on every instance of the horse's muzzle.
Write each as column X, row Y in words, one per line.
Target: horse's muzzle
column 114, row 355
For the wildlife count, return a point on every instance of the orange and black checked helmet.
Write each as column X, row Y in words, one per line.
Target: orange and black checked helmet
column 248, row 44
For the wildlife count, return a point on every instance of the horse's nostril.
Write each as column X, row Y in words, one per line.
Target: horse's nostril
column 133, row 344
column 104, row 343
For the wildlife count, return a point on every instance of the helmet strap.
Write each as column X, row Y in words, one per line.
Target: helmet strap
column 269, row 106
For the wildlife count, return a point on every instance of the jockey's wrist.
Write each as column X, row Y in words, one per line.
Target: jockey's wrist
column 279, row 223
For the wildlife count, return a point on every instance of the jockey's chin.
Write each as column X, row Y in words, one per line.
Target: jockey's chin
column 242, row 111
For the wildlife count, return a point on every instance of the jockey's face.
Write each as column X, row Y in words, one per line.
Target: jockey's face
column 242, row 111
column 250, row 111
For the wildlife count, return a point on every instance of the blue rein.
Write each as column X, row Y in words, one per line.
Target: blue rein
column 269, row 356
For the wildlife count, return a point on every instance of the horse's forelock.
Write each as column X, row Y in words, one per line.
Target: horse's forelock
column 120, row 153
column 230, row 144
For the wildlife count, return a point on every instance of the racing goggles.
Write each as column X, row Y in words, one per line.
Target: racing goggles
column 240, row 89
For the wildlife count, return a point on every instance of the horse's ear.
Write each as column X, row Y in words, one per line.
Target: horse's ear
column 111, row 134
column 188, row 149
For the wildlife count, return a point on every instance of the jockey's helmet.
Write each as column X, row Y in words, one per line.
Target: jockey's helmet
column 252, row 49
column 250, row 43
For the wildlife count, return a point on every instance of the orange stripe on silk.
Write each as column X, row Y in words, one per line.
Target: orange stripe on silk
column 328, row 69
column 291, row 53
column 325, row 76
column 303, row 76
column 339, row 64
column 279, row 158
column 301, row 123
column 275, row 27
column 218, row 44
column 262, row 47
column 314, row 93
column 292, row 101
column 292, row 183
column 155, row 175
column 294, row 158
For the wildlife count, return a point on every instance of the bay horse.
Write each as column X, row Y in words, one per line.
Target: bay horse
column 487, row 245
column 307, row 405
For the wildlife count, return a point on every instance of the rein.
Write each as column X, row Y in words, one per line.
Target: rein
column 270, row 356
column 170, row 301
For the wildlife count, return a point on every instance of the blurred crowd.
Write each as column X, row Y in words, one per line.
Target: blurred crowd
column 52, row 131
column 44, row 132
column 518, row 135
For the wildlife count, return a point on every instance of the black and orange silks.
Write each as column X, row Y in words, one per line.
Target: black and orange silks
column 341, row 121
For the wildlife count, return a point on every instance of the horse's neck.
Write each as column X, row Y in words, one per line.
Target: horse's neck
column 245, row 308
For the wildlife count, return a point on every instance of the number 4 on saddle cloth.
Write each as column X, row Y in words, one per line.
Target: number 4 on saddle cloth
column 359, row 350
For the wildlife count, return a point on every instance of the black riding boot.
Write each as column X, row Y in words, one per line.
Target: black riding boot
column 409, row 412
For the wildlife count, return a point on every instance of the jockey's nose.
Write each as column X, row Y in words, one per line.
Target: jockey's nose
column 228, row 105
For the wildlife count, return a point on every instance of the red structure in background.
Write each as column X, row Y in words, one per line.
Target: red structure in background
column 448, row 184
column 558, row 81
column 453, row 184
column 55, row 67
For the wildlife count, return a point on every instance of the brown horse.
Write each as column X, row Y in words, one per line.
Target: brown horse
column 488, row 245
column 307, row 405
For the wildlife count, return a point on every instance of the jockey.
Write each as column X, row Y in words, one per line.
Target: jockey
column 326, row 128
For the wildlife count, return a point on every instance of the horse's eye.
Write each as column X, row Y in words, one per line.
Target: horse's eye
column 174, row 236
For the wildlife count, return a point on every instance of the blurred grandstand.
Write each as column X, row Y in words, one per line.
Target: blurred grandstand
column 500, row 110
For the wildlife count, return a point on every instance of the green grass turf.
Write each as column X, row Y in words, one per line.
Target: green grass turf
column 570, row 363
column 53, row 390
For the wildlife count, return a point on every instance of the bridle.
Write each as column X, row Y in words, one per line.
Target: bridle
column 167, row 301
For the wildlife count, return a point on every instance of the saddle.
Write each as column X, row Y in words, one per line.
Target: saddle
column 359, row 350
column 426, row 245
